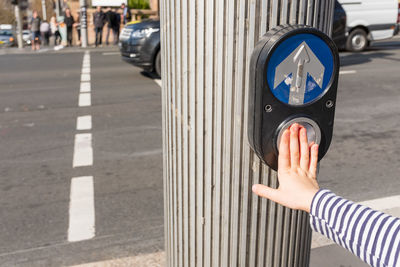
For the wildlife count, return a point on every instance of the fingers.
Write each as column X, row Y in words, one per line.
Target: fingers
column 304, row 149
column 294, row 145
column 314, row 160
column 266, row 192
column 284, row 154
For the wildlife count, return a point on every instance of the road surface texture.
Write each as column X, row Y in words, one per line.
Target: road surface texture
column 40, row 101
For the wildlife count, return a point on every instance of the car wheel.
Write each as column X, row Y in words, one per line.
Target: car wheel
column 157, row 64
column 357, row 40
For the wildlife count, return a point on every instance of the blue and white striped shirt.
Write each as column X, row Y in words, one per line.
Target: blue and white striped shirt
column 371, row 235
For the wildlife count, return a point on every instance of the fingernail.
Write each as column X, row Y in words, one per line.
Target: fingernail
column 254, row 188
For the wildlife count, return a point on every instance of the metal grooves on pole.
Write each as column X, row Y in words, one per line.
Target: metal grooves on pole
column 211, row 216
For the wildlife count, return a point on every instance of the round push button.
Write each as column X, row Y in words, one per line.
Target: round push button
column 313, row 130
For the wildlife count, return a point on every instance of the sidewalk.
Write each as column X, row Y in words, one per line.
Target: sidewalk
column 52, row 49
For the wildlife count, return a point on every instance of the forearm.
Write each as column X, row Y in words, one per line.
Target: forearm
column 371, row 235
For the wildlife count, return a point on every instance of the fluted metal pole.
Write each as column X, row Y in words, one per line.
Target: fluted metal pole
column 211, row 216
column 83, row 21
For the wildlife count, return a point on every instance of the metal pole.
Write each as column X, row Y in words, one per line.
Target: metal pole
column 83, row 21
column 44, row 10
column 211, row 216
column 19, row 26
column 57, row 8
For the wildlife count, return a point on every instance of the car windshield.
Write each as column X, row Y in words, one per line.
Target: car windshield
column 6, row 32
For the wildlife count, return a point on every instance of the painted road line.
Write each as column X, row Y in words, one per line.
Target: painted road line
column 389, row 205
column 83, row 151
column 347, row 72
column 81, row 209
column 111, row 53
column 85, row 70
column 84, row 123
column 84, row 100
column 85, row 77
column 385, row 203
column 85, row 87
column 158, row 81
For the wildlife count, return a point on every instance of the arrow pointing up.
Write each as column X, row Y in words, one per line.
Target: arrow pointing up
column 300, row 62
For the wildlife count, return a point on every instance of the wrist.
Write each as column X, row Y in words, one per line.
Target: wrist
column 310, row 197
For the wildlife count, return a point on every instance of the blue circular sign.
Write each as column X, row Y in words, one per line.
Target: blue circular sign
column 300, row 69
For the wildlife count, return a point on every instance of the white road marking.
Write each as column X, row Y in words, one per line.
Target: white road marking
column 84, row 100
column 110, row 53
column 385, row 203
column 85, row 70
column 81, row 209
column 158, row 81
column 85, row 87
column 389, row 205
column 85, row 77
column 347, row 72
column 84, row 123
column 83, row 151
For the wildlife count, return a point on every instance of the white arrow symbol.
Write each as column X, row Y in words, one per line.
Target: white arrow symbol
column 300, row 62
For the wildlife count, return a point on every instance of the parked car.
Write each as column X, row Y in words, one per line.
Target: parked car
column 6, row 35
column 139, row 44
column 370, row 20
column 26, row 37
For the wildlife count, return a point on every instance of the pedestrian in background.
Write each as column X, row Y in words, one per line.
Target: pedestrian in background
column 69, row 22
column 54, row 30
column 126, row 14
column 77, row 26
column 116, row 24
column 45, row 32
column 99, row 20
column 110, row 14
column 35, row 30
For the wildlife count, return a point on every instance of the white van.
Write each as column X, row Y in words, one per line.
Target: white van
column 369, row 20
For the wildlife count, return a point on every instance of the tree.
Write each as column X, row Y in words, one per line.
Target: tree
column 37, row 5
column 139, row 4
column 6, row 12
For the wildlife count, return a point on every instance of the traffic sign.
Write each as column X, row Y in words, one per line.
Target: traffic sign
column 293, row 78
column 300, row 69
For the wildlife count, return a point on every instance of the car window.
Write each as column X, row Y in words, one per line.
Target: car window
column 5, row 32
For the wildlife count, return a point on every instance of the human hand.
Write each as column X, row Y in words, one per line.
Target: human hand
column 297, row 171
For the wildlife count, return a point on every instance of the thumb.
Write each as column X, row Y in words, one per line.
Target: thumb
column 266, row 192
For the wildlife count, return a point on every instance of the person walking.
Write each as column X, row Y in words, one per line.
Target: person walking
column 126, row 14
column 371, row 235
column 35, row 29
column 98, row 22
column 69, row 22
column 45, row 32
column 55, row 33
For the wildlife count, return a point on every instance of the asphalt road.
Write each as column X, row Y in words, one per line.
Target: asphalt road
column 38, row 109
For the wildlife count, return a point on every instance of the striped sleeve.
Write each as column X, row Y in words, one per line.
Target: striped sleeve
column 371, row 235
